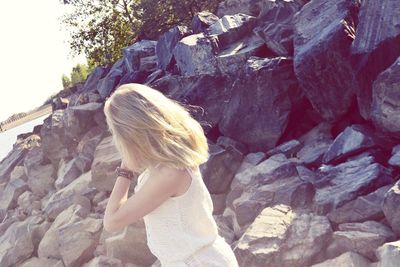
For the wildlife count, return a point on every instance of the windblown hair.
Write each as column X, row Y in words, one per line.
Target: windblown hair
column 150, row 128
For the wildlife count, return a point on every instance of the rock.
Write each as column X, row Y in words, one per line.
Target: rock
column 202, row 20
column 391, row 207
column 17, row 173
column 8, row 163
column 258, row 118
column 133, row 236
column 375, row 47
column 134, row 55
column 354, row 139
column 29, row 202
column 107, row 84
column 41, row 180
column 106, row 159
column 154, row 76
column 363, row 238
column 395, row 158
column 93, row 79
column 69, row 171
column 16, row 244
column 251, row 159
column 166, row 45
column 276, row 27
column 88, row 143
column 339, row 184
column 9, row 196
column 232, row 58
column 49, row 246
column 219, row 203
column 104, row 261
column 346, row 259
column 273, row 181
column 231, row 28
column 76, row 192
column 385, row 111
column 194, row 55
column 42, row 262
column 280, row 236
column 33, row 158
column 219, row 170
column 210, row 93
column 59, row 103
column 388, row 254
column 288, row 148
column 232, row 7
column 321, row 49
column 363, row 208
column 78, row 240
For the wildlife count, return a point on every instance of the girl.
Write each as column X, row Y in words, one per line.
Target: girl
column 158, row 139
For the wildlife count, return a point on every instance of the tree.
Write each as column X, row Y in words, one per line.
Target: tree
column 66, row 81
column 101, row 28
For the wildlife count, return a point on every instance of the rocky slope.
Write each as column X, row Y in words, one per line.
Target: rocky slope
column 300, row 103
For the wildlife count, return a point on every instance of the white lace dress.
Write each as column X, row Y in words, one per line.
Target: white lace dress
column 182, row 232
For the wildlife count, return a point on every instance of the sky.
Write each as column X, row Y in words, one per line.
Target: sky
column 34, row 54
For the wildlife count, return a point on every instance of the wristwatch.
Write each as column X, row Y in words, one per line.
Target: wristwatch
column 124, row 172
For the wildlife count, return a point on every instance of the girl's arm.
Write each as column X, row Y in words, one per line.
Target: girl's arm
column 160, row 186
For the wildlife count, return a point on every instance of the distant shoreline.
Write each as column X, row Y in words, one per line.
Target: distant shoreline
column 36, row 114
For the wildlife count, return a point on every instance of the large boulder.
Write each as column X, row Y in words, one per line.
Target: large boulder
column 93, row 79
column 280, row 236
column 202, row 20
column 321, row 64
column 107, row 84
column 385, row 110
column 273, row 181
column 388, row 254
column 346, row 259
column 391, row 207
column 375, row 47
column 339, row 184
column 258, row 111
column 166, row 45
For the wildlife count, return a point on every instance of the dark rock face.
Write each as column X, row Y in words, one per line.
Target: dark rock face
column 257, row 112
column 211, row 93
column 395, row 158
column 93, row 79
column 321, row 56
column 202, row 20
column 385, row 110
column 166, row 45
column 346, row 181
column 108, row 83
column 134, row 55
column 353, row 139
column 276, row 27
column 376, row 46
column 391, row 207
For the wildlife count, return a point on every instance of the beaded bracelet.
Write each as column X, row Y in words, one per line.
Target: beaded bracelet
column 124, row 172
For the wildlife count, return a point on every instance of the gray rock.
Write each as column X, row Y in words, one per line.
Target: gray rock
column 220, row 169
column 194, row 55
column 166, row 44
column 133, row 55
column 388, row 254
column 202, row 20
column 363, row 208
column 391, row 207
column 276, row 27
column 107, row 84
column 249, row 7
column 346, row 259
column 288, row 148
column 273, row 181
column 280, row 236
column 321, row 56
column 363, row 238
column 375, row 46
column 354, row 139
column 93, row 79
column 9, row 196
column 259, row 118
column 210, row 93
column 395, row 158
column 385, row 110
column 342, row 183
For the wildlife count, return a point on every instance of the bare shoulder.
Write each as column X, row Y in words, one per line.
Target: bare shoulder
column 178, row 179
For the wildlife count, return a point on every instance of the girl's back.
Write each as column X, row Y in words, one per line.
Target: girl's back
column 182, row 230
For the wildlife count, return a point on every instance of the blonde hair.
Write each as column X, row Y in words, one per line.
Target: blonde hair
column 149, row 128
